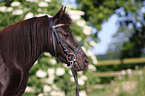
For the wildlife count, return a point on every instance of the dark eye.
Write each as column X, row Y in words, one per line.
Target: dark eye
column 66, row 35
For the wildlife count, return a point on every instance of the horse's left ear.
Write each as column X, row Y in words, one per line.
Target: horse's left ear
column 59, row 13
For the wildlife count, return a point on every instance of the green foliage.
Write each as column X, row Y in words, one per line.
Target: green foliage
column 131, row 16
column 97, row 11
column 48, row 76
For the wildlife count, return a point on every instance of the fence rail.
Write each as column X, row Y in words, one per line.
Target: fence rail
column 117, row 73
column 125, row 61
column 117, row 62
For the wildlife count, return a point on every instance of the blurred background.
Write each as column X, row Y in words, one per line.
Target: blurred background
column 113, row 37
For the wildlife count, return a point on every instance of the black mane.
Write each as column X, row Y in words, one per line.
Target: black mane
column 25, row 40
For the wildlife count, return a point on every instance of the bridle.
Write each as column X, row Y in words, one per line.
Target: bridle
column 71, row 57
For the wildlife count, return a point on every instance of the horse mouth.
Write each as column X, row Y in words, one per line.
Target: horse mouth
column 78, row 67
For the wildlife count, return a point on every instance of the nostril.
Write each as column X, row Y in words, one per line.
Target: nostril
column 87, row 61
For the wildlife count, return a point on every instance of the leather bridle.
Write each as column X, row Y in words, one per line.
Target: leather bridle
column 71, row 57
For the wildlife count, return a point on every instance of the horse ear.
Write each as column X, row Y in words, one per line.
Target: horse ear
column 59, row 13
column 64, row 10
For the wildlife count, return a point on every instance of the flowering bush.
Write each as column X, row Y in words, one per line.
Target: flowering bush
column 48, row 76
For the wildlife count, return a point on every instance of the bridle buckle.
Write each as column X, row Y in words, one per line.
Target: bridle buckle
column 71, row 58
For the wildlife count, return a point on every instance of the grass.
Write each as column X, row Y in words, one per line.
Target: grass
column 132, row 84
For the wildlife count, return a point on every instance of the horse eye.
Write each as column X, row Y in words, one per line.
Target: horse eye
column 66, row 35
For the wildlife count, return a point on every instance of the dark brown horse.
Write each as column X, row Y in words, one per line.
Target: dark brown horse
column 22, row 43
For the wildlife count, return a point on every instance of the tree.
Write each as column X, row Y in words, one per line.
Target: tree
column 130, row 13
column 135, row 46
column 116, row 45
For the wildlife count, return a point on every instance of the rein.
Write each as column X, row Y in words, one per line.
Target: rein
column 71, row 57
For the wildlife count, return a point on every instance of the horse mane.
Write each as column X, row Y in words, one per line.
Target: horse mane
column 25, row 40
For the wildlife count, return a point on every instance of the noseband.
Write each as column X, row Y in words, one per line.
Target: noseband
column 71, row 57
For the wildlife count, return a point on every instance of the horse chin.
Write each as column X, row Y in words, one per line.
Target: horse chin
column 78, row 69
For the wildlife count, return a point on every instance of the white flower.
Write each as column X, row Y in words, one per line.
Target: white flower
column 29, row 15
column 46, row 88
column 6, row 9
column 123, row 72
column 57, row 93
column 51, row 71
column 47, row 54
column 50, row 80
column 30, row 89
column 52, row 61
column 80, row 72
column 70, row 72
column 41, row 73
column 94, row 59
column 9, row 9
column 83, row 93
column 80, row 81
column 15, row 3
column 36, row 62
column 3, row 9
column 90, row 53
column 65, row 65
column 48, row 0
column 41, row 94
column 33, row 0
column 43, row 4
column 72, row 79
column 60, row 71
column 17, row 12
column 40, row 15
column 75, row 17
column 78, row 38
column 81, row 23
column 92, row 67
column 93, row 43
column 87, row 30
column 129, row 71
column 75, row 14
column 83, row 77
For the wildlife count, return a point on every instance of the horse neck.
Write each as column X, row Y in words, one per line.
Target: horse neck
column 39, row 39
column 27, row 41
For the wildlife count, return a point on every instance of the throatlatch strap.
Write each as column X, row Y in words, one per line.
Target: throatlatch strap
column 53, row 38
